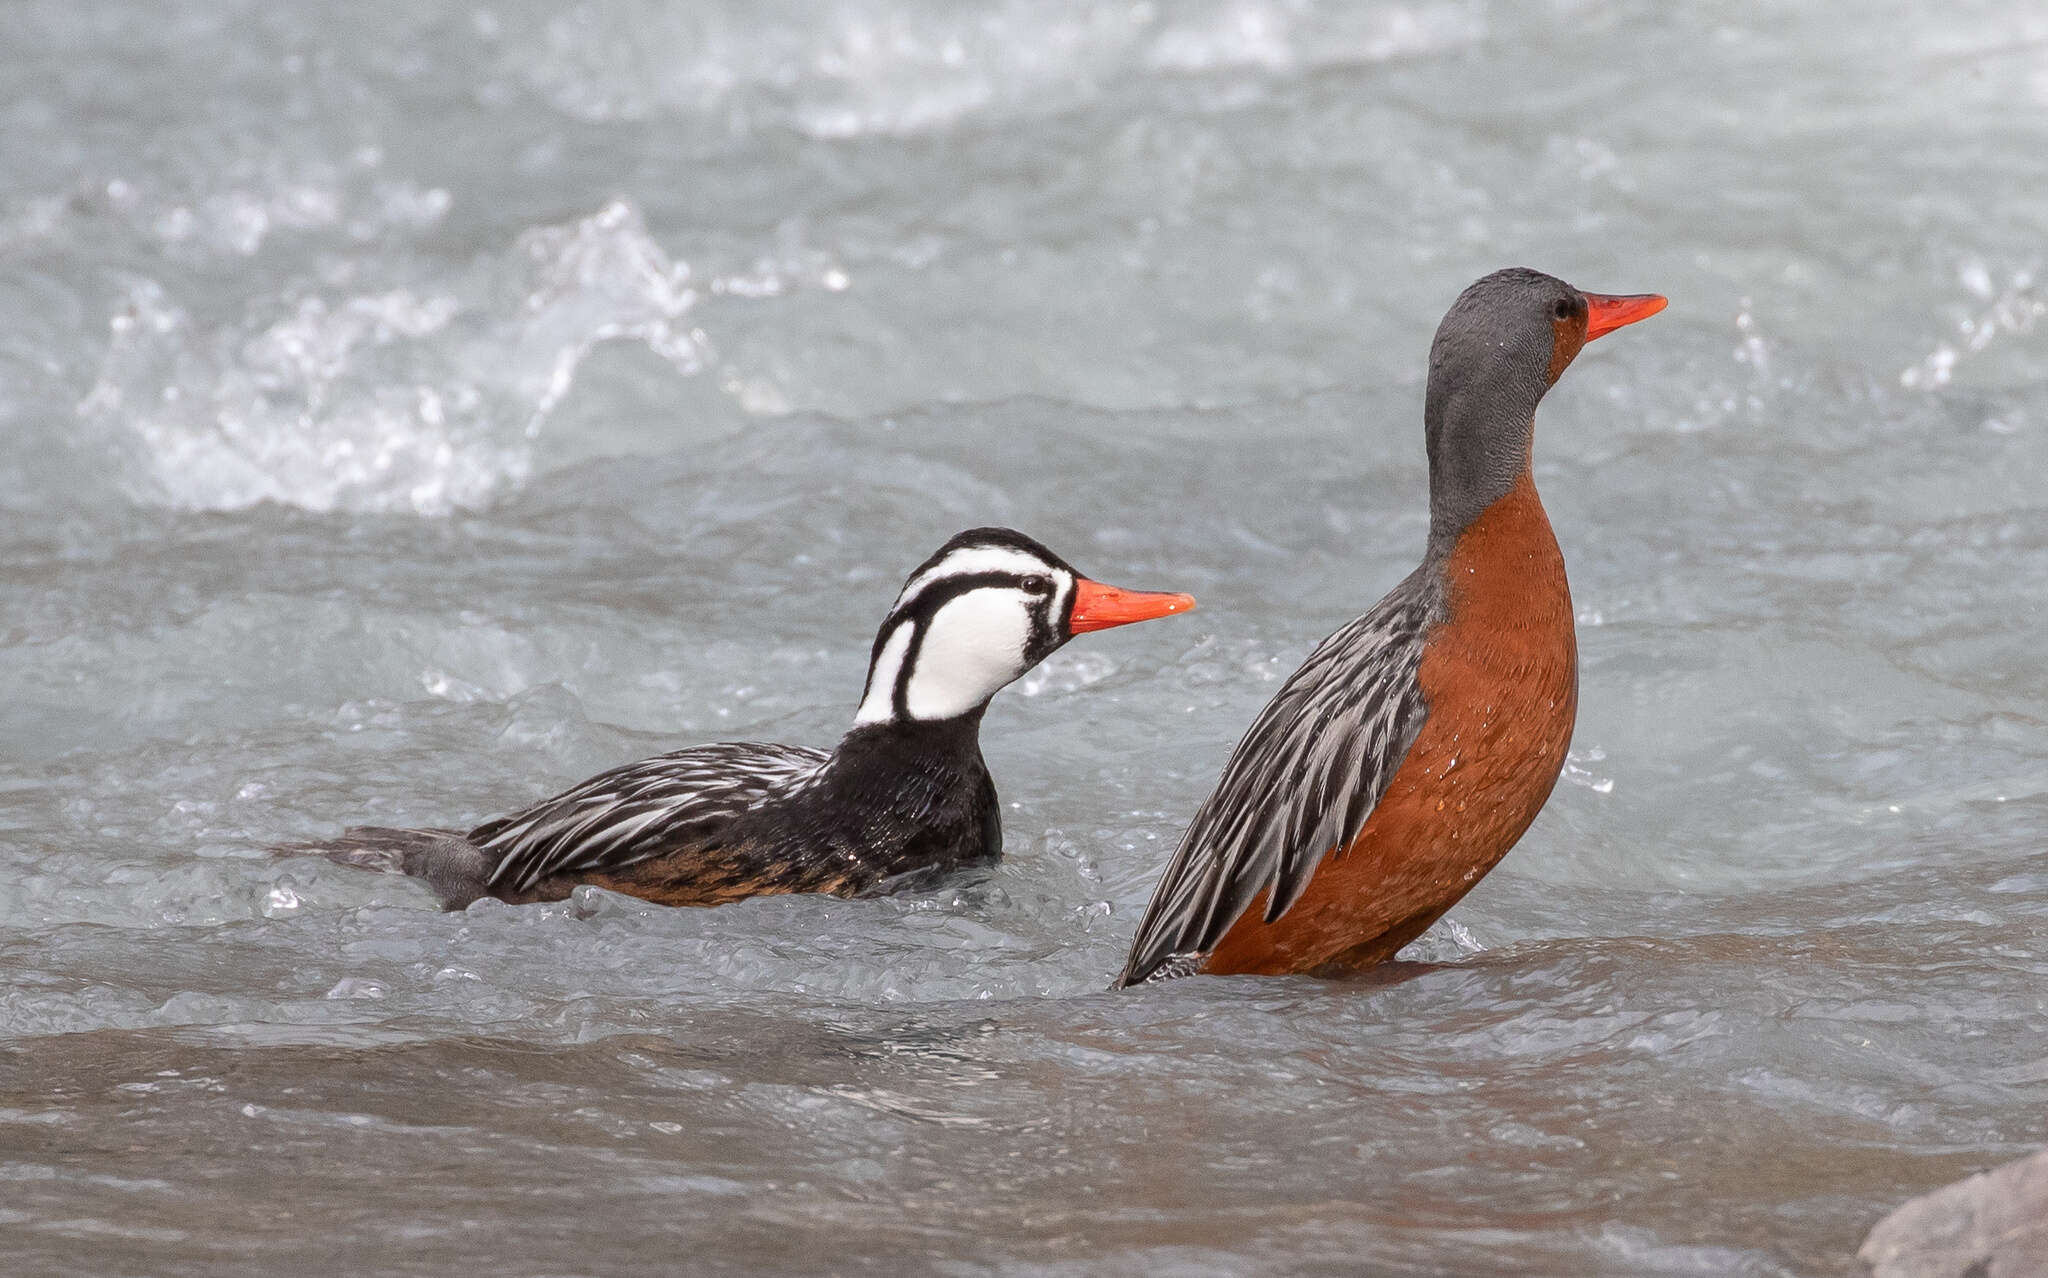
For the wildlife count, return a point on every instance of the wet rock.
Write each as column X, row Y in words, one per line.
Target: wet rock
column 1993, row 1225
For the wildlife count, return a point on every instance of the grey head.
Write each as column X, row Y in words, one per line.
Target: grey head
column 1504, row 342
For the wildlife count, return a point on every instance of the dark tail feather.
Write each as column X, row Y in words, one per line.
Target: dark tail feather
column 458, row 870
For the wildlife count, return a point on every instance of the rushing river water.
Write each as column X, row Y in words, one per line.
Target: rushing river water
column 407, row 409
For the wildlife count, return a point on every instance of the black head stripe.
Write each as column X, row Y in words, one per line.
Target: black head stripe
column 899, row 696
column 946, row 589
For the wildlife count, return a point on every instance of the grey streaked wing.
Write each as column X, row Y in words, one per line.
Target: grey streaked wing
column 1299, row 785
column 631, row 813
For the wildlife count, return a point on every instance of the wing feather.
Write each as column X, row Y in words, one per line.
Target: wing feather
column 637, row 811
column 1298, row 788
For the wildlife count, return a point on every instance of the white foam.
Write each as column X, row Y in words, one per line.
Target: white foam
column 423, row 399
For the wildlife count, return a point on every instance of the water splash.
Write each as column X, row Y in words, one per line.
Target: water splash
column 851, row 70
column 2012, row 308
column 1576, row 771
column 406, row 398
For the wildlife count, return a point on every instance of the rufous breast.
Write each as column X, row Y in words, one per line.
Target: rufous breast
column 1499, row 675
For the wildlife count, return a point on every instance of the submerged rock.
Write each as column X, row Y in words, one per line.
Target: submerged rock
column 1993, row 1225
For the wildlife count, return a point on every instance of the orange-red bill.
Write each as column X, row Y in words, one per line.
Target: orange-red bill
column 1098, row 607
column 1606, row 312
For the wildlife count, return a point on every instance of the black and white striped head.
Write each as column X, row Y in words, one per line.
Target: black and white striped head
column 987, row 607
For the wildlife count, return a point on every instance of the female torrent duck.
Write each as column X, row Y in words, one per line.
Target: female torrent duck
column 1415, row 745
column 905, row 795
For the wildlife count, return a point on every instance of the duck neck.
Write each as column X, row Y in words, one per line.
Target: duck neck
column 1503, row 582
column 1479, row 441
column 901, row 763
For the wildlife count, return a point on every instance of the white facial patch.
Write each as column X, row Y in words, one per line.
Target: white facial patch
column 878, row 703
column 972, row 647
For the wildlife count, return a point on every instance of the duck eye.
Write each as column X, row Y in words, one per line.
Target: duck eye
column 1038, row 585
column 1563, row 309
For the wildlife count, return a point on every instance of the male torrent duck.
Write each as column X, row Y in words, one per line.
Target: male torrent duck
column 1415, row 745
column 905, row 795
